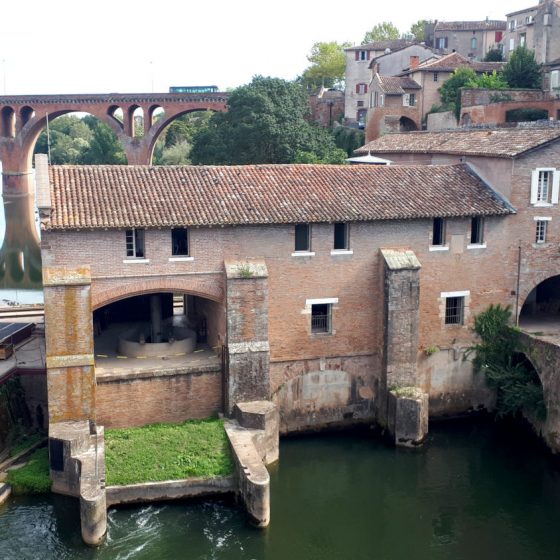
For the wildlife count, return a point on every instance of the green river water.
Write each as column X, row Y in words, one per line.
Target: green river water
column 473, row 492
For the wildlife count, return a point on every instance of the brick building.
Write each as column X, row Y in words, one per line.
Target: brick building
column 317, row 287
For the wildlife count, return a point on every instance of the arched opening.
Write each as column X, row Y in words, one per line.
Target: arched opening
column 8, row 122
column 526, row 114
column 79, row 139
column 526, row 388
column 26, row 114
column 155, row 114
column 541, row 309
column 407, row 125
column 135, row 121
column 174, row 141
column 168, row 328
column 116, row 113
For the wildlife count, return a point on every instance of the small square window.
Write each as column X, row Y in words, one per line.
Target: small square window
column 180, row 242
column 454, row 310
column 540, row 236
column 438, row 232
column 321, row 318
column 341, row 236
column 135, row 243
column 477, row 230
column 303, row 237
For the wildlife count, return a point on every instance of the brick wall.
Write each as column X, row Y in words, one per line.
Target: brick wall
column 170, row 398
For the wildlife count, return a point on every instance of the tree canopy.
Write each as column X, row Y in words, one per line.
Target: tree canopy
column 418, row 29
column 381, row 32
column 522, row 70
column 75, row 140
column 265, row 123
column 494, row 55
column 328, row 65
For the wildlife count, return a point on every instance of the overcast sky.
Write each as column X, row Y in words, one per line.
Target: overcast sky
column 101, row 46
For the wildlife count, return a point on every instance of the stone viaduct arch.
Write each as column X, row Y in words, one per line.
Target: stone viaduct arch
column 22, row 119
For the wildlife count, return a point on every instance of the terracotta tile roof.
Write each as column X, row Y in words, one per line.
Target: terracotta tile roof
column 502, row 142
column 393, row 44
column 485, row 25
column 452, row 61
column 140, row 196
column 393, row 85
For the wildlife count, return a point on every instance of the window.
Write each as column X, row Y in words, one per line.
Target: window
column 554, row 80
column 303, row 237
column 361, row 89
column 341, row 237
column 454, row 310
column 441, row 43
column 511, row 44
column 411, row 99
column 180, row 242
column 512, row 24
column 361, row 118
column 540, row 236
column 436, row 76
column 362, row 55
column 438, row 232
column 477, row 230
column 359, row 103
column 474, row 44
column 321, row 317
column 544, row 186
column 135, row 243
column 522, row 39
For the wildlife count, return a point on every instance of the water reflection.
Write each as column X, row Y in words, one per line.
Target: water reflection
column 20, row 253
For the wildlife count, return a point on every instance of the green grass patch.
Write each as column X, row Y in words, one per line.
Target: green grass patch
column 25, row 442
column 33, row 477
column 196, row 448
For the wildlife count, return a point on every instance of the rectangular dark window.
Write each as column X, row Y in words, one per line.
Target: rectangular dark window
column 180, row 242
column 438, row 232
column 341, row 236
column 454, row 310
column 135, row 243
column 303, row 237
column 477, row 230
column 321, row 318
column 436, row 76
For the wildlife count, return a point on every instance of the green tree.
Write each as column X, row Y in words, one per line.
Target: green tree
column 494, row 55
column 418, row 29
column 495, row 80
column 265, row 123
column 450, row 91
column 328, row 65
column 522, row 70
column 105, row 147
column 381, row 32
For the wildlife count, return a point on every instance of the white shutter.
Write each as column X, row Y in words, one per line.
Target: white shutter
column 534, row 186
column 554, row 75
column 555, row 185
column 406, row 100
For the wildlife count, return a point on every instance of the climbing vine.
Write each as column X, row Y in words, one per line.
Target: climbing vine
column 497, row 356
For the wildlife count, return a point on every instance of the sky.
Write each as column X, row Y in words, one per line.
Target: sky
column 101, row 46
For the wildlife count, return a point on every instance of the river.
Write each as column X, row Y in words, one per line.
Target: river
column 473, row 491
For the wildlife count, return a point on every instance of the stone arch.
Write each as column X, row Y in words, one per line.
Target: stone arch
column 157, row 129
column 8, row 116
column 211, row 289
column 525, row 292
column 26, row 114
column 406, row 124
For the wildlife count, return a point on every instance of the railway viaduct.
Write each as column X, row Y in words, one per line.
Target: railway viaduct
column 24, row 117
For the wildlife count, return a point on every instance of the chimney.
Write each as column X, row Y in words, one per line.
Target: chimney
column 414, row 62
column 42, row 185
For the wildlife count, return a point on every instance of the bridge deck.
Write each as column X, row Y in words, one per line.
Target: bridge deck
column 546, row 327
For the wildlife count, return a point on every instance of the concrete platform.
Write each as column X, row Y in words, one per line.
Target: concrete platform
column 546, row 327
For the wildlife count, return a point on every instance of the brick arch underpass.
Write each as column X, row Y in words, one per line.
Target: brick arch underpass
column 212, row 289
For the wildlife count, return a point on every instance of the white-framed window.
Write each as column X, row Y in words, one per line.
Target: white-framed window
column 321, row 311
column 363, row 55
column 442, row 42
column 545, row 182
column 135, row 243
column 454, row 307
column 511, row 44
column 302, row 238
column 474, row 44
column 361, row 89
column 512, row 24
column 179, row 242
column 477, row 230
column 409, row 100
column 554, row 80
column 341, row 237
column 541, row 228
